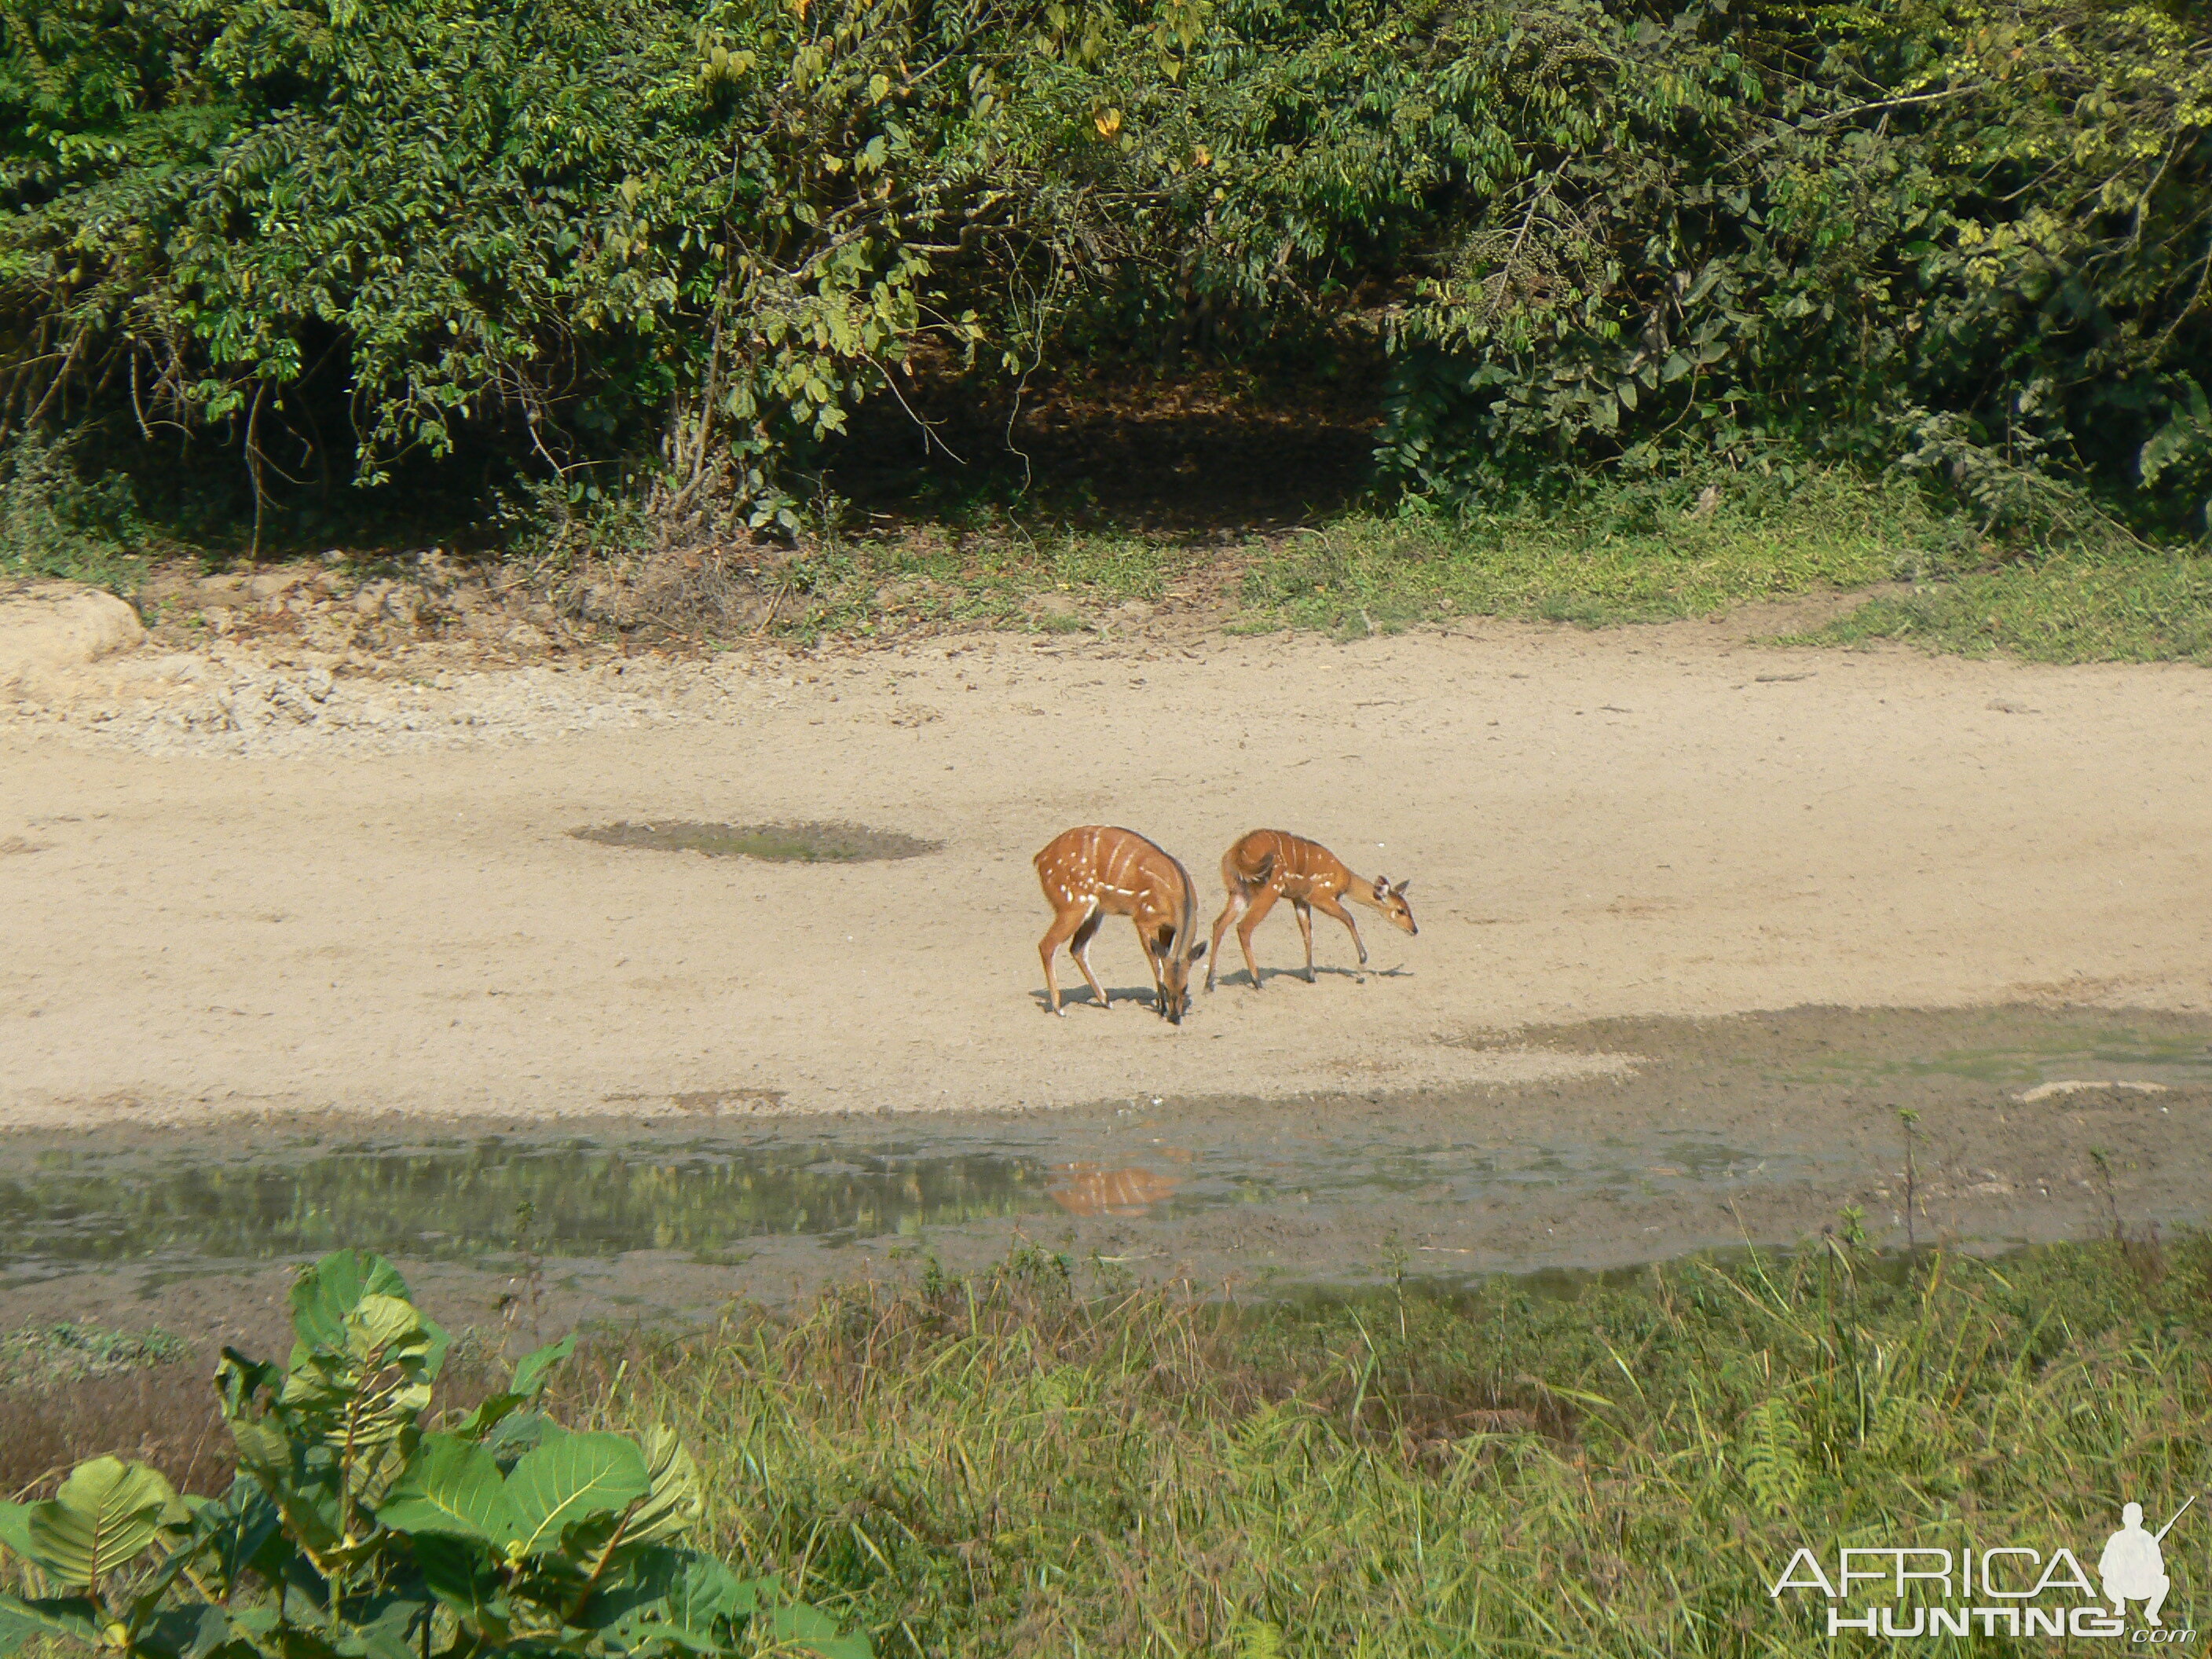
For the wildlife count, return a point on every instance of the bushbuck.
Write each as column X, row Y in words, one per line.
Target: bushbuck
column 1274, row 864
column 1096, row 871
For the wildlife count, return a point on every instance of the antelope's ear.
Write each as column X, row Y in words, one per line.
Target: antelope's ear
column 1198, row 951
column 1381, row 885
column 1399, row 889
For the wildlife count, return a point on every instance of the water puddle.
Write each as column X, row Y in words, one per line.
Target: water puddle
column 783, row 843
column 463, row 1200
column 708, row 1196
column 1909, row 1126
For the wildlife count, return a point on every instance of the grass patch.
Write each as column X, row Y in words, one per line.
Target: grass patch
column 49, row 1356
column 1005, row 1467
column 1686, row 548
column 1004, row 577
column 2146, row 607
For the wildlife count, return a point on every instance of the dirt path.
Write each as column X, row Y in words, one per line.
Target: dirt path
column 391, row 914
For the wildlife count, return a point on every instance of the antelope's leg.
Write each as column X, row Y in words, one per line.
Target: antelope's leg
column 1079, row 949
column 1329, row 906
column 1256, row 906
column 1063, row 923
column 1304, row 908
column 1154, row 956
column 1229, row 911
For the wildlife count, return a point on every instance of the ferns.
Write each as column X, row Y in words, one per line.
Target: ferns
column 1772, row 1446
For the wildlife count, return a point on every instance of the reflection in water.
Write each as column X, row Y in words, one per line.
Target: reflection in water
column 1086, row 1190
column 460, row 1201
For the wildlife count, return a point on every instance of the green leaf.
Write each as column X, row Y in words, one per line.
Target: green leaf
column 673, row 1502
column 105, row 1513
column 326, row 1293
column 227, row 1535
column 488, row 1416
column 814, row 1630
column 452, row 1485
column 533, row 1370
column 14, row 1528
column 570, row 1479
column 184, row 1633
column 73, row 1617
column 683, row 1597
column 385, row 1628
column 461, row 1574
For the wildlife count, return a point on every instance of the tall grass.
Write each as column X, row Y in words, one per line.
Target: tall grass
column 1003, row 1466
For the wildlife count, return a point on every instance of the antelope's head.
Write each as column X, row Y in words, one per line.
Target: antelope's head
column 1391, row 902
column 1179, row 948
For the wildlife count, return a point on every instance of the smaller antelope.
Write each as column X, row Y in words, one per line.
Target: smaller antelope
column 1096, row 871
column 1274, row 864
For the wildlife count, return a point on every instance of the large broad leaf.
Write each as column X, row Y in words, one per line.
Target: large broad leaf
column 184, row 1632
column 461, row 1574
column 569, row 1480
column 452, row 1486
column 682, row 1597
column 814, row 1630
column 534, row 1370
column 70, row 1616
column 228, row 1535
column 673, row 1501
column 488, row 1416
column 105, row 1513
column 326, row 1293
column 386, row 1627
column 16, row 1528
column 240, row 1382
column 262, row 1446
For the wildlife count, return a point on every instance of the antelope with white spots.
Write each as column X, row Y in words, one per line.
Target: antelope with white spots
column 1096, row 871
column 1274, row 864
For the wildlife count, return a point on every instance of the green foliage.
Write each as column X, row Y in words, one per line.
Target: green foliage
column 1587, row 235
column 354, row 1531
column 1819, row 232
column 54, row 524
column 1006, row 1464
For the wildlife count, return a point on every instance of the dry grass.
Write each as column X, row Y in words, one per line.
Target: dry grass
column 163, row 1415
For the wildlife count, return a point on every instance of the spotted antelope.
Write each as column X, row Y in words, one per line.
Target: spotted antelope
column 1096, row 871
column 1274, row 864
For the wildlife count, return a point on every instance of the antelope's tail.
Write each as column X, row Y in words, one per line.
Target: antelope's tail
column 1245, row 881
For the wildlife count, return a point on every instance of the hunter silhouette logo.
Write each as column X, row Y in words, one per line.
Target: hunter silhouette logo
column 2132, row 1566
column 1925, row 1590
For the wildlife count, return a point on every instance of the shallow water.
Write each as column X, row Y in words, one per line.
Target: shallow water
column 703, row 1195
column 1914, row 1125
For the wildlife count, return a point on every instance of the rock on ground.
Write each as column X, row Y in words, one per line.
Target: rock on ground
column 49, row 628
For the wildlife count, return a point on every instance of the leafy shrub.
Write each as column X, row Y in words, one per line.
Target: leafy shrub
column 1586, row 234
column 353, row 1531
column 53, row 523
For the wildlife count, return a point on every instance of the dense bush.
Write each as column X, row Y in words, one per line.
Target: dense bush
column 1971, row 235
